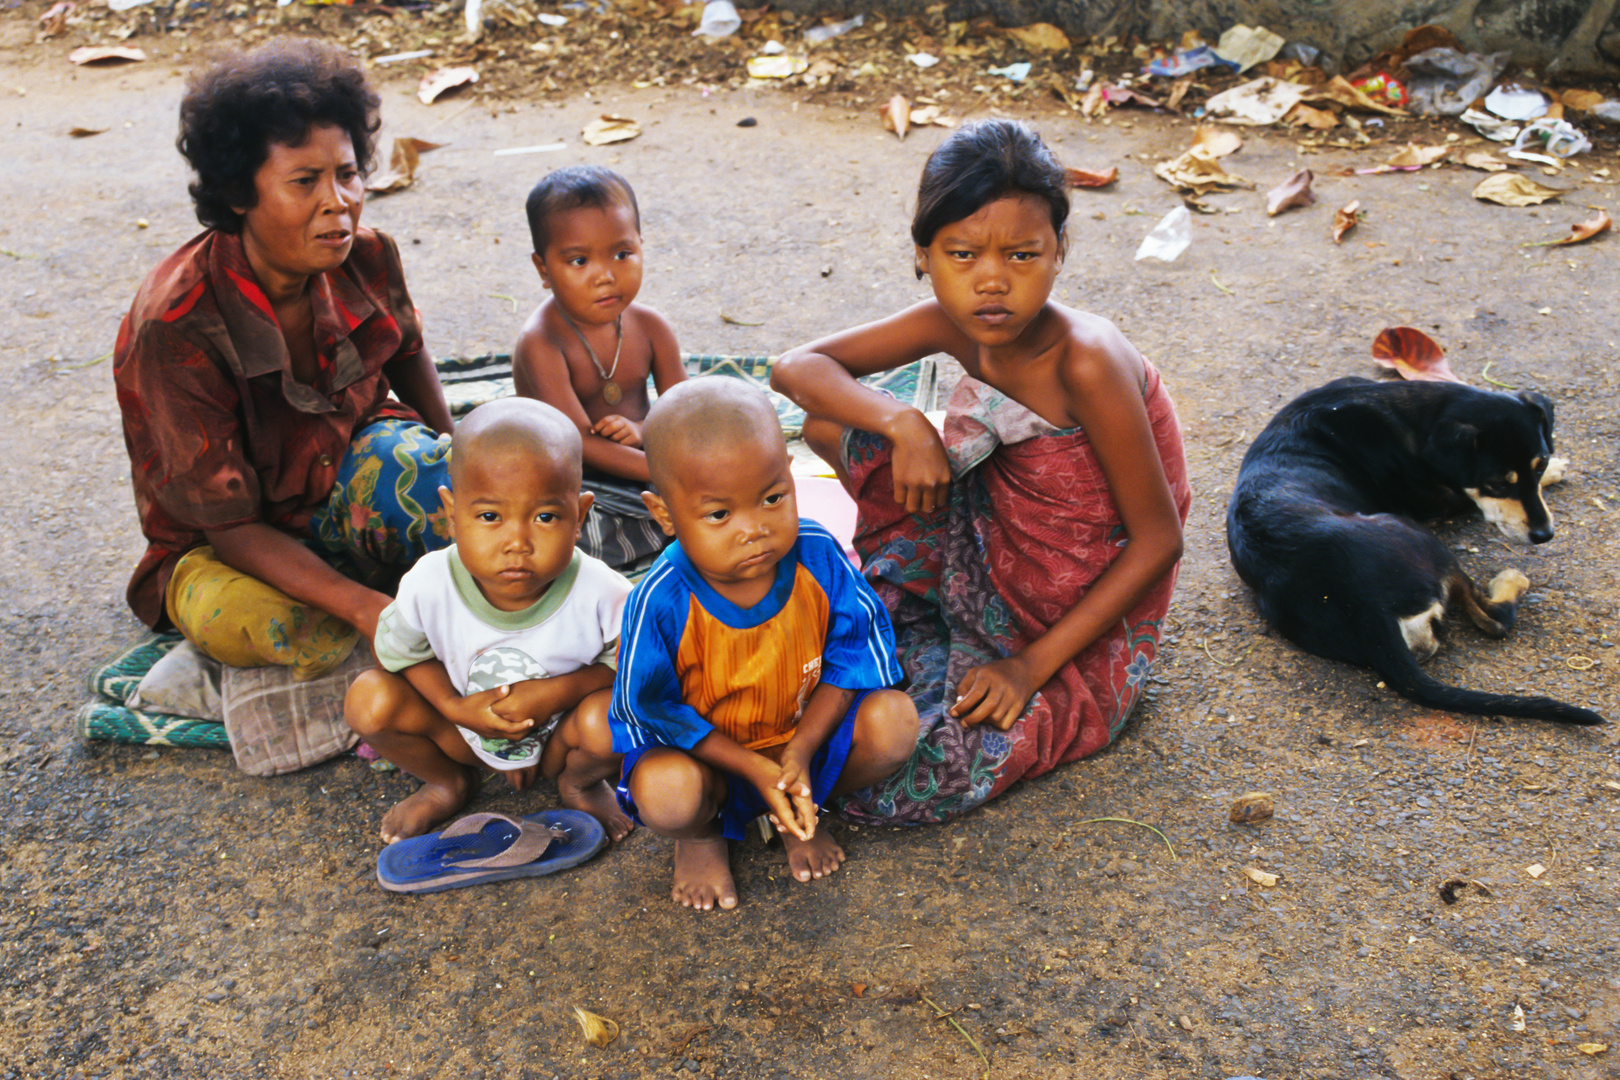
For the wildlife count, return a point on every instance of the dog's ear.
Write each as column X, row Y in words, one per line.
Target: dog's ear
column 1543, row 405
column 1452, row 446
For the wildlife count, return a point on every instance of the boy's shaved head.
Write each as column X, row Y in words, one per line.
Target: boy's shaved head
column 517, row 423
column 699, row 414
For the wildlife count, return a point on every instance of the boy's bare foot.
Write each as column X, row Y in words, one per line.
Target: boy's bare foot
column 520, row 779
column 599, row 801
column 813, row 858
column 703, row 874
column 424, row 808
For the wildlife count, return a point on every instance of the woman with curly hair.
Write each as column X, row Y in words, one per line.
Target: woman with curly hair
column 281, row 487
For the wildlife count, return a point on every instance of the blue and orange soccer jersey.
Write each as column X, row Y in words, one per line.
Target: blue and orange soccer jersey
column 691, row 662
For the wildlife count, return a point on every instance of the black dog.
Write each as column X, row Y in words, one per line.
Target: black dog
column 1321, row 524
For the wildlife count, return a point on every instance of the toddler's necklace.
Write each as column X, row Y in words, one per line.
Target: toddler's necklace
column 610, row 389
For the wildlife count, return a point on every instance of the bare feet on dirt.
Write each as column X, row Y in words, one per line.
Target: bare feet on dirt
column 813, row 858
column 703, row 874
column 424, row 809
column 599, row 801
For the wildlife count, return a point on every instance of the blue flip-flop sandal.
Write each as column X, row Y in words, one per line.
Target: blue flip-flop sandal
column 481, row 848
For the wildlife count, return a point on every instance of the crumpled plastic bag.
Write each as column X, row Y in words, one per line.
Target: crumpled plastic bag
column 1259, row 101
column 1445, row 82
column 1559, row 138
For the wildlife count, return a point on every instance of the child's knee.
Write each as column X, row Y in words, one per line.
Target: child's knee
column 373, row 702
column 886, row 727
column 589, row 722
column 673, row 790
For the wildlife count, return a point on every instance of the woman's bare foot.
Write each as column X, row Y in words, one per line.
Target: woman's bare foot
column 425, row 808
column 813, row 858
column 601, row 802
column 703, row 874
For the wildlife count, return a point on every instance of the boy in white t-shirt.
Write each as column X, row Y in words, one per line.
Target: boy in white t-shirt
column 500, row 650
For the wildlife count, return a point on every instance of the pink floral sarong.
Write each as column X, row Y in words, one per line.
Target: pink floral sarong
column 1029, row 526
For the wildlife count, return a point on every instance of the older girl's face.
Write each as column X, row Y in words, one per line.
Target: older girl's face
column 309, row 204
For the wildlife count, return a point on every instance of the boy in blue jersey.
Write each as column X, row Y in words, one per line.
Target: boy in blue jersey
column 755, row 661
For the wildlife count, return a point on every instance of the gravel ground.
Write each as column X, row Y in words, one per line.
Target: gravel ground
column 164, row 915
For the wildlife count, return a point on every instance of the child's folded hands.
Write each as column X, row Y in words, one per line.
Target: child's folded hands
column 489, row 713
column 788, row 795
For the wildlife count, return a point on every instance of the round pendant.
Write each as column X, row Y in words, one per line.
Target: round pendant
column 611, row 393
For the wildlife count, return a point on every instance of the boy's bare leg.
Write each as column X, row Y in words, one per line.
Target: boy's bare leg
column 388, row 713
column 678, row 797
column 580, row 755
column 884, row 739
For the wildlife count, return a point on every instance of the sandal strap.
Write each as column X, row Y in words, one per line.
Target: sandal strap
column 529, row 844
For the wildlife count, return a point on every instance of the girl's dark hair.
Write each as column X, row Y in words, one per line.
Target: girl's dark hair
column 979, row 163
column 235, row 109
column 570, row 188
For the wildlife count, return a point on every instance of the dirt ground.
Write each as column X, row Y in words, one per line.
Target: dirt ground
column 164, row 915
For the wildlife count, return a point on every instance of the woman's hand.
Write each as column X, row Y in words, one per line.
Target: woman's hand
column 996, row 693
column 620, row 429
column 921, row 471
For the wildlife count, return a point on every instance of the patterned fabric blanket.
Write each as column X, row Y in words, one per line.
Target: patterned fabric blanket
column 1029, row 526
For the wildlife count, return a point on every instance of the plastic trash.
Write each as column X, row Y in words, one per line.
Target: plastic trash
column 1169, row 238
column 1512, row 102
column 1016, row 72
column 720, row 19
column 1492, row 127
column 1184, row 63
column 1561, row 138
column 1445, row 82
column 1606, row 110
column 1309, row 56
column 1383, row 88
column 922, row 59
column 830, row 31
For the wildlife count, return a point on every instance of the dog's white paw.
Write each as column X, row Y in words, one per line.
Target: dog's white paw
column 1557, row 470
column 1507, row 587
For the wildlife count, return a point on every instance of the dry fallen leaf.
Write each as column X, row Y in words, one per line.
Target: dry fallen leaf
column 1584, row 231
column 1178, row 90
column 1039, row 37
column 1339, row 89
column 439, row 80
column 1295, row 191
column 1581, row 100
column 93, row 54
column 402, row 163
column 54, row 21
column 1214, row 142
column 1413, row 354
column 1535, row 870
column 1095, row 103
column 931, row 114
column 1260, row 877
column 1413, row 156
column 1346, row 218
column 599, row 1030
column 1516, row 1022
column 608, row 128
column 1512, row 189
column 1303, row 115
column 897, row 115
column 1483, row 160
column 1593, row 1049
column 1088, row 179
column 1253, row 807
column 85, row 133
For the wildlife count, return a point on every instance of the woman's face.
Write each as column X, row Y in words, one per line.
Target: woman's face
column 309, row 206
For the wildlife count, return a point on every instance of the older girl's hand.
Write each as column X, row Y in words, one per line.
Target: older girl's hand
column 995, row 693
column 922, row 472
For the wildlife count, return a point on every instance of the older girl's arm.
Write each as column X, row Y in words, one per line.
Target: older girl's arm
column 821, row 378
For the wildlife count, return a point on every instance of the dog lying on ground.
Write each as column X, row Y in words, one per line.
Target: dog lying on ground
column 1323, row 524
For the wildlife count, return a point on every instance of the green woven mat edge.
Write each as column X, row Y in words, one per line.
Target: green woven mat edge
column 115, row 723
column 117, row 677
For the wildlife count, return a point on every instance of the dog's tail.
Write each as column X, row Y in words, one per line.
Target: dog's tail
column 1394, row 661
